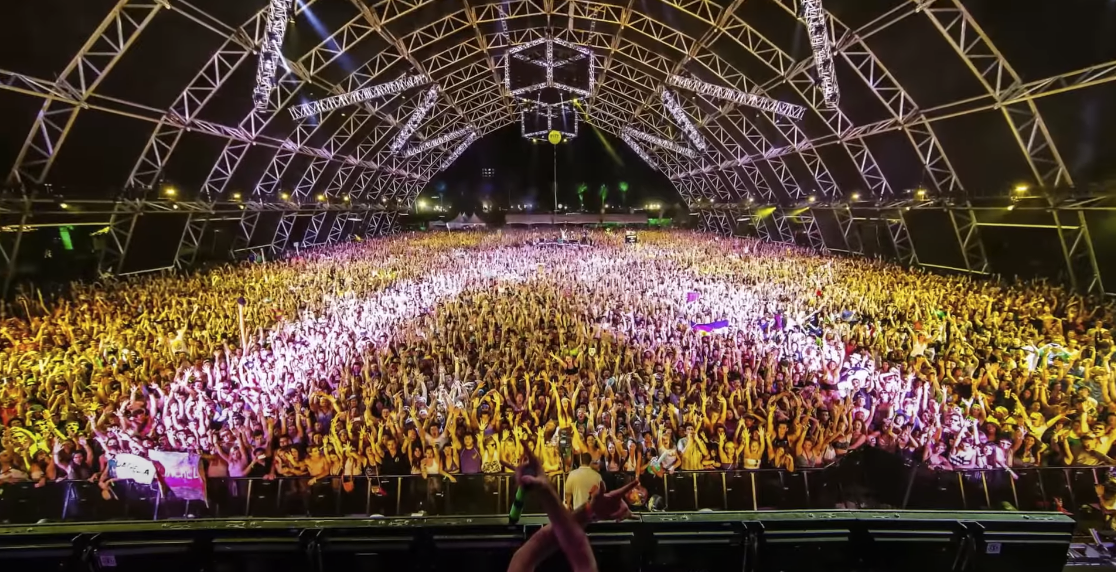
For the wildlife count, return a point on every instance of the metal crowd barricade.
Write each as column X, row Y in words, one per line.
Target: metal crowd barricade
column 870, row 480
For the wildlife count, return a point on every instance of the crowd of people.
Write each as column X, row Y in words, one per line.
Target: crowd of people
column 456, row 353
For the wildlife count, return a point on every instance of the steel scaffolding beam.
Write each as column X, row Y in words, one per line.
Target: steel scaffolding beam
column 78, row 80
column 458, row 45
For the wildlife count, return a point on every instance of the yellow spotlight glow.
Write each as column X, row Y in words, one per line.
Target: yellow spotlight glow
column 64, row 206
column 812, row 199
column 170, row 191
column 1021, row 189
column 285, row 196
column 1011, row 207
column 346, row 198
column 856, row 196
column 321, row 198
column 920, row 193
column 236, row 196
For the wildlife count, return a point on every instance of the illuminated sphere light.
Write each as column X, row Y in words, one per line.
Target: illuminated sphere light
column 554, row 137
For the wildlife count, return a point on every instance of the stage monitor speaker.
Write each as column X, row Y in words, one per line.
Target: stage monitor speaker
column 794, row 541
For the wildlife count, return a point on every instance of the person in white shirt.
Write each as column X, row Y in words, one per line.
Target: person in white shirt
column 581, row 482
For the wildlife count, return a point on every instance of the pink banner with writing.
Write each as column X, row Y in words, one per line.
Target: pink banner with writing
column 180, row 473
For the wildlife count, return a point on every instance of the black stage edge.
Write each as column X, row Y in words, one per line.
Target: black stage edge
column 788, row 541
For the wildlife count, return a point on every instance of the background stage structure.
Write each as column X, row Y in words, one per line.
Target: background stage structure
column 819, row 123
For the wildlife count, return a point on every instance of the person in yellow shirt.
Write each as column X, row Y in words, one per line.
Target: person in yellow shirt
column 692, row 450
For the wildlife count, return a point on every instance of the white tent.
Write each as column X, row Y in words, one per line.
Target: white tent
column 461, row 222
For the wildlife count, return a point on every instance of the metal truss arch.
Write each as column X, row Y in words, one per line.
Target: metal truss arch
column 459, row 44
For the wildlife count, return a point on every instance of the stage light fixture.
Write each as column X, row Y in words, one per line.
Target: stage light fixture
column 549, row 63
column 660, row 142
column 817, row 24
column 457, row 151
column 271, row 51
column 170, row 191
column 435, row 142
column 638, row 150
column 284, row 196
column 330, row 103
column 679, row 114
column 429, row 99
column 744, row 98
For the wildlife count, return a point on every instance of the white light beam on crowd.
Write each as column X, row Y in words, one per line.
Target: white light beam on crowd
column 660, row 142
column 639, row 150
column 457, row 151
column 435, row 142
column 330, row 103
column 817, row 23
column 671, row 103
column 271, row 51
column 744, row 98
column 429, row 99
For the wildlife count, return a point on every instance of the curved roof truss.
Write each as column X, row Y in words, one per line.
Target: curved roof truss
column 459, row 45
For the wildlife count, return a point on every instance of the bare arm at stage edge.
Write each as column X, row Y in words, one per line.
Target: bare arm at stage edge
column 566, row 529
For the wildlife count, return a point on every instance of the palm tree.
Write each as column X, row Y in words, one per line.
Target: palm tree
column 624, row 193
column 604, row 196
column 582, row 188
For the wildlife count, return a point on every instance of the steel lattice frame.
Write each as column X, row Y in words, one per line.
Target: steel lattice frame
column 460, row 45
column 742, row 162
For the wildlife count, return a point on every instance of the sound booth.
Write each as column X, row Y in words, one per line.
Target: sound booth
column 788, row 541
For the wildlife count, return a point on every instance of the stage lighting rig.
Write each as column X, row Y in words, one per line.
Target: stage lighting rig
column 549, row 63
column 429, row 99
column 271, row 51
column 457, row 151
column 817, row 24
column 679, row 114
column 744, row 98
column 435, row 142
column 330, row 103
column 548, row 112
column 659, row 142
column 639, row 150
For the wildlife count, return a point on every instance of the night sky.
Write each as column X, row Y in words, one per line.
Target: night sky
column 524, row 171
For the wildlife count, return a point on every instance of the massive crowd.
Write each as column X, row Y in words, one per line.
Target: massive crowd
column 447, row 354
